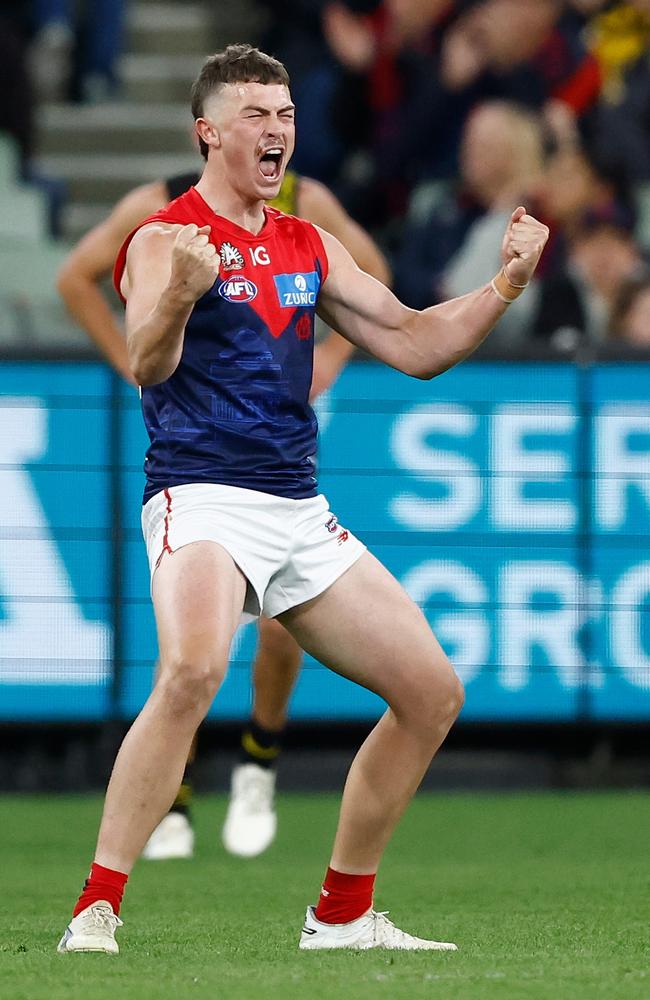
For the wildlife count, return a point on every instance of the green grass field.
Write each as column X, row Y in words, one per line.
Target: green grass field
column 547, row 896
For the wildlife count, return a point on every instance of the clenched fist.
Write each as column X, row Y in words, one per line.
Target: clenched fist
column 195, row 261
column 522, row 246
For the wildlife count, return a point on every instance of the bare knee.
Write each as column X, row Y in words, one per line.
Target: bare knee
column 453, row 697
column 187, row 685
column 441, row 702
column 432, row 702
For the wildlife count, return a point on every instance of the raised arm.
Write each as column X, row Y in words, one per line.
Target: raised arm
column 168, row 269
column 91, row 261
column 426, row 343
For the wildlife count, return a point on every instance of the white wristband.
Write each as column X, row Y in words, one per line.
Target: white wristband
column 503, row 287
column 499, row 295
column 505, row 271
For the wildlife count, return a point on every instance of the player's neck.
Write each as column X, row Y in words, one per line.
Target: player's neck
column 228, row 203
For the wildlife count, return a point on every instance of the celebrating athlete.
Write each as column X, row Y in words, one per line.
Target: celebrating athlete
column 251, row 820
column 221, row 293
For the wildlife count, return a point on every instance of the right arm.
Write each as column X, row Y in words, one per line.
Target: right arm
column 168, row 269
column 91, row 261
column 426, row 342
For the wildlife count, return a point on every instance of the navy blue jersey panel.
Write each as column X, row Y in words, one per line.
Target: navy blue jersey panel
column 236, row 410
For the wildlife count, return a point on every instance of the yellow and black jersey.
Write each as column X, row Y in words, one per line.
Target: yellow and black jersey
column 287, row 199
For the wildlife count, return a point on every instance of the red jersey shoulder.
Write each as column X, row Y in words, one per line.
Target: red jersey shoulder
column 299, row 231
column 178, row 212
column 293, row 235
column 181, row 211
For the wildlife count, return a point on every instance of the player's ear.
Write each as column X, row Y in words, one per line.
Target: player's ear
column 208, row 132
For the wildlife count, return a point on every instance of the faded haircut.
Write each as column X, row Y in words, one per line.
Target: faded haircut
column 235, row 64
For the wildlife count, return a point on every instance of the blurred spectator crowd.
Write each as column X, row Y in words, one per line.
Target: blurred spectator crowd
column 54, row 50
column 57, row 49
column 432, row 120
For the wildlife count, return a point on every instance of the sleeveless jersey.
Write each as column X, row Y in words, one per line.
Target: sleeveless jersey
column 286, row 201
column 236, row 410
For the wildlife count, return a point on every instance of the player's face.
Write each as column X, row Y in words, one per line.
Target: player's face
column 256, row 135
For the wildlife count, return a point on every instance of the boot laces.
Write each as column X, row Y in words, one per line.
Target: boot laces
column 386, row 931
column 102, row 916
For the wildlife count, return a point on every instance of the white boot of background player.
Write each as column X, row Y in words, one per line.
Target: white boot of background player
column 251, row 822
column 172, row 838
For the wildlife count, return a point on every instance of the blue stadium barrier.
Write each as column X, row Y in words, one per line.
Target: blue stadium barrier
column 512, row 501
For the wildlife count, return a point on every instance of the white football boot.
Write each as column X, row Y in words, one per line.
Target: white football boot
column 251, row 822
column 92, row 930
column 172, row 838
column 372, row 930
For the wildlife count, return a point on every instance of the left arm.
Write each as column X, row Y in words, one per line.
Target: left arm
column 426, row 343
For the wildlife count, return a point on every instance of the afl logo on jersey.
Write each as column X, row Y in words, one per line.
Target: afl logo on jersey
column 237, row 289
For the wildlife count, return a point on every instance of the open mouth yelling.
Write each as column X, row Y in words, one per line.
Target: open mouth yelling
column 270, row 163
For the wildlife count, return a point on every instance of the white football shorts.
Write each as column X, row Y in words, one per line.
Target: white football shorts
column 288, row 550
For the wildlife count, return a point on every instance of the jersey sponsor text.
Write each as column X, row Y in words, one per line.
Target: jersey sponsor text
column 297, row 289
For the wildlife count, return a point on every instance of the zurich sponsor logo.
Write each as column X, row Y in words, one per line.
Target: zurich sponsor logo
column 297, row 289
column 236, row 288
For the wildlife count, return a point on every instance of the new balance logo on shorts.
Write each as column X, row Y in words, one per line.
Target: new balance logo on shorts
column 343, row 536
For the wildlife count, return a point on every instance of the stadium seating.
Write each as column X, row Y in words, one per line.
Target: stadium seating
column 31, row 314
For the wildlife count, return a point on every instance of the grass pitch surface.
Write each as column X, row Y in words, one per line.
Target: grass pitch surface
column 547, row 896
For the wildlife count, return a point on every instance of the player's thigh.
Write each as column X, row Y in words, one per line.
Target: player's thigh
column 198, row 595
column 366, row 627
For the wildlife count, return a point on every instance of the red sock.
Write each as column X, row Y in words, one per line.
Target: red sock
column 344, row 897
column 102, row 883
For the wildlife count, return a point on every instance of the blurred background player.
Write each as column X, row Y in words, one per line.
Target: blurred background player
column 251, row 820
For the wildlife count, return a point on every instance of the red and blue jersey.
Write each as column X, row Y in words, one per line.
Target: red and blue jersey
column 236, row 410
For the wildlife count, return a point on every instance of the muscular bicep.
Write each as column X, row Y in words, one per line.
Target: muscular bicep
column 360, row 307
column 147, row 271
